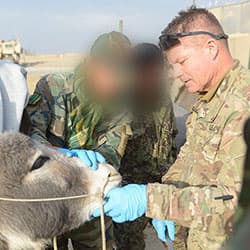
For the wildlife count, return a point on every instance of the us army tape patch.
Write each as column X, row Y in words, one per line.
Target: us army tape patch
column 34, row 99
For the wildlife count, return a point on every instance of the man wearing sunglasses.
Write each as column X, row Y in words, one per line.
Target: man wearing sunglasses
column 201, row 189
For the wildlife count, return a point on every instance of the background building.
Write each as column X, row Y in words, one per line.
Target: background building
column 235, row 19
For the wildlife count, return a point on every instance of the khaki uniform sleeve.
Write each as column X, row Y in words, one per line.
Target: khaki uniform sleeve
column 186, row 203
column 39, row 109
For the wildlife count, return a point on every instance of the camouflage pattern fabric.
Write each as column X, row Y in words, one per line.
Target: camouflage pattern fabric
column 130, row 235
column 244, row 200
column 148, row 156
column 59, row 119
column 88, row 236
column 241, row 239
column 151, row 150
column 181, row 235
column 203, row 185
column 62, row 115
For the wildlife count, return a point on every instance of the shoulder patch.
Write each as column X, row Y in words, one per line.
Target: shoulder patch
column 34, row 99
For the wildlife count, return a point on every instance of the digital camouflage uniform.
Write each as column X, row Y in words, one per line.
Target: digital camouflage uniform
column 63, row 116
column 209, row 166
column 148, row 156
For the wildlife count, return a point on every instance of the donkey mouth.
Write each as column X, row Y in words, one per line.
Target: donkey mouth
column 116, row 179
column 113, row 181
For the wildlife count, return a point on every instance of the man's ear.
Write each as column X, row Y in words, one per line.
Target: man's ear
column 212, row 47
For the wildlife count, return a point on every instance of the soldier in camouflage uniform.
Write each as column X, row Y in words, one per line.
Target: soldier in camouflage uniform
column 241, row 239
column 201, row 189
column 244, row 200
column 151, row 150
column 74, row 111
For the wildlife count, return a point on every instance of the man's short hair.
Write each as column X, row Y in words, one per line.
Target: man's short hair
column 194, row 19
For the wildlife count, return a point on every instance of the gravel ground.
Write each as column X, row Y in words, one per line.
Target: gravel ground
column 152, row 242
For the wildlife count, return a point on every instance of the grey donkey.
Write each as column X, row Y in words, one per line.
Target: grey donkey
column 31, row 170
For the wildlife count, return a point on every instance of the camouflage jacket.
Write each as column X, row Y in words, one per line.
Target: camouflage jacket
column 151, row 150
column 203, row 185
column 60, row 119
column 240, row 239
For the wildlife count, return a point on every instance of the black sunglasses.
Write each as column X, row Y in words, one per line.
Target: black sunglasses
column 169, row 40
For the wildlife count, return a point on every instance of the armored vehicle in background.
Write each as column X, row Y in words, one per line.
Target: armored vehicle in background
column 11, row 50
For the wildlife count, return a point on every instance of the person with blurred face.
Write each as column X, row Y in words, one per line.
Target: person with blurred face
column 151, row 150
column 150, row 88
column 201, row 189
column 14, row 96
column 83, row 113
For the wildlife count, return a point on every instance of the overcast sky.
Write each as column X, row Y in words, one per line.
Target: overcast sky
column 58, row 26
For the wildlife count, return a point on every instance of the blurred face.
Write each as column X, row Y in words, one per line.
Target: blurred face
column 149, row 79
column 193, row 64
column 104, row 81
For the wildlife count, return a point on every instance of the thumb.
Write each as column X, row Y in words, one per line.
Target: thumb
column 96, row 213
column 160, row 229
column 92, row 158
column 108, row 206
column 82, row 154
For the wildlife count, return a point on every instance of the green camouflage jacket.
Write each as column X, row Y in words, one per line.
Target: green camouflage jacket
column 60, row 119
column 203, row 185
column 151, row 150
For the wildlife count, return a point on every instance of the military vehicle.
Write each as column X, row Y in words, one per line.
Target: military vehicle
column 11, row 50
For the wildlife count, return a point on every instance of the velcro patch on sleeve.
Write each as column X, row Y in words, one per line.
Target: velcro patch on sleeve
column 34, row 99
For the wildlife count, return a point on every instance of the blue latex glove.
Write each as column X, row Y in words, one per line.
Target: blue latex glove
column 125, row 203
column 89, row 157
column 164, row 228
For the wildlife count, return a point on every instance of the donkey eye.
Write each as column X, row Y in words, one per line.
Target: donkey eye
column 40, row 161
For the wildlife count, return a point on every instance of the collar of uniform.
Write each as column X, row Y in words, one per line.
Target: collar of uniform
column 208, row 96
column 69, row 86
column 79, row 84
column 211, row 108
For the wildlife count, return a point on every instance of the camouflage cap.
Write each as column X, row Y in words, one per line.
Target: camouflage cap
column 111, row 47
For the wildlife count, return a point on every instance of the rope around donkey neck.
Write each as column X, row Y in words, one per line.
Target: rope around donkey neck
column 100, row 195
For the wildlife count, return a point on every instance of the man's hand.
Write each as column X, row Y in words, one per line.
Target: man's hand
column 164, row 228
column 90, row 158
column 125, row 203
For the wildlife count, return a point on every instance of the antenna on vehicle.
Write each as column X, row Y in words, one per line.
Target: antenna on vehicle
column 121, row 25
